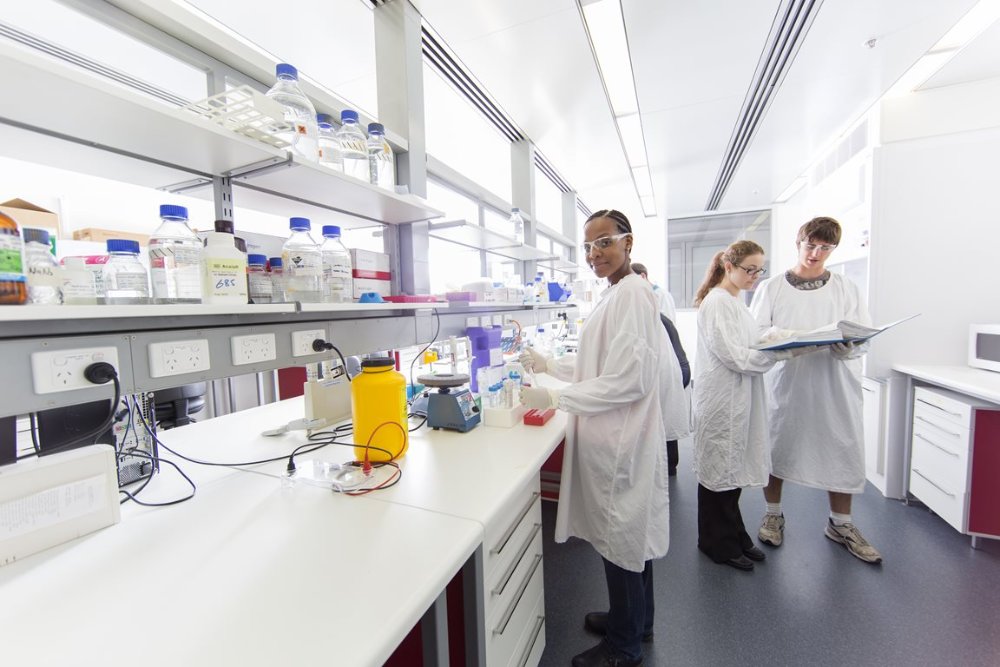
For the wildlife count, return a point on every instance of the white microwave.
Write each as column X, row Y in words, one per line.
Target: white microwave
column 984, row 346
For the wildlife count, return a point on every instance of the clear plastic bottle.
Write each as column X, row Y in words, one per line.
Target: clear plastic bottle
column 541, row 294
column 329, row 147
column 78, row 287
column 303, row 264
column 517, row 224
column 41, row 268
column 260, row 284
column 353, row 146
column 338, row 284
column 277, row 276
column 381, row 166
column 125, row 278
column 175, row 254
column 13, row 286
column 299, row 113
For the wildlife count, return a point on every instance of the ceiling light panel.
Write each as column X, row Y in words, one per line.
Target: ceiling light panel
column 635, row 145
column 607, row 34
column 984, row 14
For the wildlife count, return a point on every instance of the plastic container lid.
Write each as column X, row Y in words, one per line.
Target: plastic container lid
column 225, row 226
column 275, row 262
column 348, row 114
column 172, row 211
column 324, row 119
column 256, row 260
column 31, row 234
column 299, row 224
column 286, row 70
column 123, row 245
column 331, row 230
column 515, row 210
column 241, row 244
column 378, row 362
column 376, row 128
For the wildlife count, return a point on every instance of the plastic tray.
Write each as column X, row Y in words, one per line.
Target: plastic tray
column 245, row 111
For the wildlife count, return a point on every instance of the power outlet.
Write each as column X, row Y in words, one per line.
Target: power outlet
column 178, row 357
column 62, row 370
column 302, row 342
column 253, row 349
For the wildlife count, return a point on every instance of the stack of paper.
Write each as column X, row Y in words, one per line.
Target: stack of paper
column 844, row 331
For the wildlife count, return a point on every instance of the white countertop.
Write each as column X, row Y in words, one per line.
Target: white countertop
column 974, row 382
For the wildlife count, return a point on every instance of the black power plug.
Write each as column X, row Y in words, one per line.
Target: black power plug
column 100, row 372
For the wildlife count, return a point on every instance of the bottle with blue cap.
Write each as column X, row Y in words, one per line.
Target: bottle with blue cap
column 303, row 264
column 300, row 114
column 41, row 269
column 338, row 283
column 175, row 254
column 261, row 289
column 353, row 146
column 277, row 275
column 329, row 147
column 381, row 166
column 124, row 277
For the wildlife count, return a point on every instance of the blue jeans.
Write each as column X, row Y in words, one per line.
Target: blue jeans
column 630, row 612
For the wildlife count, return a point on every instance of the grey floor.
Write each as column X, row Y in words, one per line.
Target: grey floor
column 933, row 601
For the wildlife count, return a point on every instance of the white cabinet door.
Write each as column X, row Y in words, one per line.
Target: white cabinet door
column 873, row 392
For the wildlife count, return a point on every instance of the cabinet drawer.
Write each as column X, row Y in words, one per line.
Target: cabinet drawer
column 949, row 506
column 529, row 649
column 503, row 585
column 500, row 535
column 941, row 407
column 939, row 464
column 508, row 623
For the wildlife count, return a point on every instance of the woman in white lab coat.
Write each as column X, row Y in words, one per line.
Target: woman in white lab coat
column 625, row 399
column 731, row 438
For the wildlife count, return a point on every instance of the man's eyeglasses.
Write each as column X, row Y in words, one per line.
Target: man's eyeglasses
column 822, row 248
column 603, row 243
column 752, row 272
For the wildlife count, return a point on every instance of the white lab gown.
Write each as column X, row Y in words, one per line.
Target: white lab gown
column 730, row 410
column 814, row 401
column 665, row 302
column 625, row 401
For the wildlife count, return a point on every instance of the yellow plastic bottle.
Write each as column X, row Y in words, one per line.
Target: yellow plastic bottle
column 378, row 401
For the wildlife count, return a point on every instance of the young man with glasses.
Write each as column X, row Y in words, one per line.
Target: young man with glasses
column 815, row 401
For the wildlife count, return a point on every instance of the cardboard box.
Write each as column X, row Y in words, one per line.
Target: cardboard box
column 26, row 214
column 362, row 285
column 370, row 265
column 99, row 235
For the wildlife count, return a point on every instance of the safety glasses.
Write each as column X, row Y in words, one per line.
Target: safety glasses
column 603, row 243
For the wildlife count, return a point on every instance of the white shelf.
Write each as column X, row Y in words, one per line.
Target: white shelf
column 30, row 313
column 362, row 307
column 471, row 235
column 84, row 122
column 562, row 265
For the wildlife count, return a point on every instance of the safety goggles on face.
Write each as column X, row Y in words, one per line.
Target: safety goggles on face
column 753, row 273
column 603, row 243
column 822, row 248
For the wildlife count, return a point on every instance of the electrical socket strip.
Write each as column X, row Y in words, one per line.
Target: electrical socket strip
column 253, row 349
column 178, row 357
column 302, row 342
column 62, row 370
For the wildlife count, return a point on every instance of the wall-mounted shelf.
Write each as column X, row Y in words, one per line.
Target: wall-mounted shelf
column 110, row 130
column 358, row 308
column 561, row 265
column 471, row 235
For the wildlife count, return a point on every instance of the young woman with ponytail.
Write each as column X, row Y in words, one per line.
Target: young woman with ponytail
column 730, row 442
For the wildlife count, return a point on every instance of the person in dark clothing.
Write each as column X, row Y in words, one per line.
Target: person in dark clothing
column 673, row 456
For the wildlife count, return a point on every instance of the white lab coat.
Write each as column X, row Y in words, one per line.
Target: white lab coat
column 625, row 401
column 730, row 435
column 665, row 303
column 815, row 403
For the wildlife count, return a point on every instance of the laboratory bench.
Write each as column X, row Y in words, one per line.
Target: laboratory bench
column 254, row 570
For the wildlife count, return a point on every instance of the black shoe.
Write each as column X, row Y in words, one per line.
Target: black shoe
column 603, row 656
column 597, row 622
column 753, row 553
column 740, row 563
column 672, row 472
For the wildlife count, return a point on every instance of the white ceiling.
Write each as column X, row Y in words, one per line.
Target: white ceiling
column 693, row 63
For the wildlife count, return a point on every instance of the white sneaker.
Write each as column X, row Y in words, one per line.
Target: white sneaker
column 772, row 528
column 851, row 537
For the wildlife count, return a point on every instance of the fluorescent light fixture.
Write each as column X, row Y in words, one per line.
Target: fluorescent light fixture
column 791, row 190
column 606, row 26
column 643, row 183
column 922, row 70
column 648, row 206
column 630, row 127
column 984, row 14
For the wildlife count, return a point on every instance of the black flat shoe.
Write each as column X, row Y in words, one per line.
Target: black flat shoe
column 597, row 623
column 602, row 656
column 754, row 553
column 740, row 563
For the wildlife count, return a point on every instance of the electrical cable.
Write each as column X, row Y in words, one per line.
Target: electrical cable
column 437, row 330
column 320, row 345
column 33, row 425
column 98, row 373
column 132, row 495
